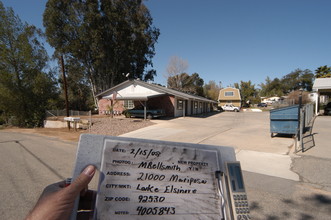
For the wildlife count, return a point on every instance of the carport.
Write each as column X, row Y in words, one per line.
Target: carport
column 322, row 86
column 127, row 95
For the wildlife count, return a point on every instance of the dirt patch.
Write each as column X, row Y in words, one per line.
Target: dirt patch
column 100, row 125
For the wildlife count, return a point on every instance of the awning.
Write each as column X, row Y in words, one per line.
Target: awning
column 322, row 84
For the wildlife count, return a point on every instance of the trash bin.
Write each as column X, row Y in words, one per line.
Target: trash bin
column 284, row 120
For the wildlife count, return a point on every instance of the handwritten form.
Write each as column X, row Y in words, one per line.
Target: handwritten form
column 152, row 181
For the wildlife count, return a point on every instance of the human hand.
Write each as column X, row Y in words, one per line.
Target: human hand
column 57, row 201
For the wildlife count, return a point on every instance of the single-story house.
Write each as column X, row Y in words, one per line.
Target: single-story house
column 270, row 100
column 229, row 95
column 131, row 93
column 322, row 86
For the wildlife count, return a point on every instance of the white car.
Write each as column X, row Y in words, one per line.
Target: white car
column 230, row 107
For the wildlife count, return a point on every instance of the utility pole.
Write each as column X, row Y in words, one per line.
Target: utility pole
column 65, row 89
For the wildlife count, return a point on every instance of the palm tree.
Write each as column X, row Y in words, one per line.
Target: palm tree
column 323, row 72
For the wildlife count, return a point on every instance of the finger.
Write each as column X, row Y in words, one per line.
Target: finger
column 82, row 181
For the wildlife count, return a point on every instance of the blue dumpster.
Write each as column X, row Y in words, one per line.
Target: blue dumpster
column 284, row 120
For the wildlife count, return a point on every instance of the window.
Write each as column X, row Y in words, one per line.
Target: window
column 195, row 104
column 200, row 104
column 228, row 94
column 128, row 104
column 180, row 104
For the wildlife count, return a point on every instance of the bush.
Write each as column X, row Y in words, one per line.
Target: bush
column 295, row 96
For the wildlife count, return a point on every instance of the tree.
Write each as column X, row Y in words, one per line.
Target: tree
column 323, row 72
column 248, row 92
column 271, row 88
column 190, row 84
column 79, row 93
column 175, row 68
column 179, row 80
column 104, row 37
column 26, row 89
column 211, row 90
column 307, row 78
column 297, row 79
column 197, row 84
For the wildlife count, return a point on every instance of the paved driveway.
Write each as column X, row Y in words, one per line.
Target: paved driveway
column 280, row 184
column 247, row 132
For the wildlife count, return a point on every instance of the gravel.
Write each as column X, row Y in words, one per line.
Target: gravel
column 117, row 125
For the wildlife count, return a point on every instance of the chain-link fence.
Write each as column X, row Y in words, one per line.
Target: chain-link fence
column 54, row 117
column 283, row 103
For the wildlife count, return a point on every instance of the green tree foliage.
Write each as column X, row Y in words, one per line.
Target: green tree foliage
column 185, row 83
column 271, row 88
column 79, row 93
column 104, row 37
column 293, row 81
column 247, row 91
column 323, row 72
column 197, row 84
column 297, row 79
column 211, row 90
column 26, row 90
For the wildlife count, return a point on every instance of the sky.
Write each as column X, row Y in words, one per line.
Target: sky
column 229, row 41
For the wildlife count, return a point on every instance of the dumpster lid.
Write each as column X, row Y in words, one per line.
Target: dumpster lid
column 287, row 108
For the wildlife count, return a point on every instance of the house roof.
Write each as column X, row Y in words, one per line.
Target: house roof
column 140, row 90
column 322, row 84
column 236, row 95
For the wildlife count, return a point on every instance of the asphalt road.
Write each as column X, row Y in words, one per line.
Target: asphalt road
column 30, row 162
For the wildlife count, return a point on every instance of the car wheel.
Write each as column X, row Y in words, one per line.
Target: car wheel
column 149, row 116
column 236, row 110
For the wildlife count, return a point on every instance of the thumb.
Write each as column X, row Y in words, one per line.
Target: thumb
column 82, row 181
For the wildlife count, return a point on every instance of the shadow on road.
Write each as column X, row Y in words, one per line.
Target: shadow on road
column 295, row 209
column 308, row 142
column 40, row 160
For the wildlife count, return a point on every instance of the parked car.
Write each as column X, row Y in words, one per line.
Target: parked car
column 269, row 102
column 230, row 107
column 327, row 109
column 262, row 104
column 139, row 113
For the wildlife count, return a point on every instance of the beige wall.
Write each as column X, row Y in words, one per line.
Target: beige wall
column 234, row 102
column 235, row 99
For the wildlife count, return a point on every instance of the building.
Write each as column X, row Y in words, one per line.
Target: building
column 132, row 93
column 322, row 87
column 229, row 96
column 270, row 100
